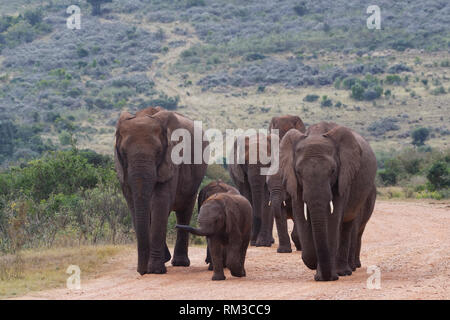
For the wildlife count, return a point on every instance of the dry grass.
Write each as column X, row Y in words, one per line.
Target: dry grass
column 35, row 270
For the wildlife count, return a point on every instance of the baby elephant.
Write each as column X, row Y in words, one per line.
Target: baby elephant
column 226, row 220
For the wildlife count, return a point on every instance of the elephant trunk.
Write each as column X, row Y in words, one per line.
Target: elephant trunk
column 197, row 232
column 257, row 188
column 319, row 216
column 276, row 202
column 142, row 184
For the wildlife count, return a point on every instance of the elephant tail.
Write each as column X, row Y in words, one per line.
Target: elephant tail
column 192, row 230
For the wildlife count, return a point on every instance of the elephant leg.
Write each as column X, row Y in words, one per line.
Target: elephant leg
column 296, row 238
column 243, row 252
column 217, row 259
column 353, row 248
column 257, row 187
column 284, row 245
column 370, row 204
column 342, row 266
column 234, row 259
column 208, row 259
column 265, row 233
column 158, row 246
column 180, row 255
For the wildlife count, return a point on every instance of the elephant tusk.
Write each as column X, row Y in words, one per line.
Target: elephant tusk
column 284, row 203
column 270, row 202
column 305, row 211
column 331, row 207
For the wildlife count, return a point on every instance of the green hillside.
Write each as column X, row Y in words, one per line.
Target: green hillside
column 228, row 63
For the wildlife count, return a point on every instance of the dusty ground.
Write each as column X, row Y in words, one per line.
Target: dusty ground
column 408, row 241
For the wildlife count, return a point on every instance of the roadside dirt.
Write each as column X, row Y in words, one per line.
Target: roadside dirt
column 408, row 241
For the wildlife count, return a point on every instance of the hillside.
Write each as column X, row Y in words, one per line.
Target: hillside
column 228, row 63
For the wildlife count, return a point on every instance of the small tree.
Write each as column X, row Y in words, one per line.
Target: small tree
column 439, row 175
column 96, row 6
column 419, row 136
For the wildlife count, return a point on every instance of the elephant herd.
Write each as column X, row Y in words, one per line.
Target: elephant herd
column 325, row 184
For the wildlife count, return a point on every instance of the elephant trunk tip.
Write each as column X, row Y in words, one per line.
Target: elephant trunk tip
column 192, row 230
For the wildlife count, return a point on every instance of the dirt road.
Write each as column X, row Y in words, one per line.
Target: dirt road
column 408, row 241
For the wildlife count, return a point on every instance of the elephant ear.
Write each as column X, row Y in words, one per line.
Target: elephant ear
column 119, row 162
column 298, row 124
column 287, row 161
column 169, row 122
column 349, row 152
column 236, row 172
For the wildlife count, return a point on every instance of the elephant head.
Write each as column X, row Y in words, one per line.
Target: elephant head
column 216, row 216
column 212, row 188
column 317, row 171
column 285, row 123
column 143, row 158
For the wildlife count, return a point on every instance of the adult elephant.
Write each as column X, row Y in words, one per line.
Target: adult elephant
column 251, row 183
column 330, row 174
column 154, row 185
column 280, row 201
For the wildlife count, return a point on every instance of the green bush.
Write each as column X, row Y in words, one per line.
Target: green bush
column 311, row 98
column 439, row 175
column 357, row 92
column 420, row 135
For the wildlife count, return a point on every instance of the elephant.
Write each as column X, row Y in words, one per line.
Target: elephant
column 252, row 185
column 226, row 220
column 285, row 123
column 280, row 201
column 212, row 188
column 153, row 185
column 329, row 172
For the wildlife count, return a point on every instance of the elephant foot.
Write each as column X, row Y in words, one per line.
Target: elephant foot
column 319, row 277
column 157, row 268
column 210, row 267
column 237, row 274
column 284, row 249
column 253, row 243
column 167, row 254
column 142, row 271
column 261, row 242
column 218, row 277
column 182, row 261
column 347, row 271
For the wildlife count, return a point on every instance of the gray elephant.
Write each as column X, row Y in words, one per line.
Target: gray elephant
column 210, row 189
column 330, row 174
column 280, row 201
column 252, row 185
column 154, row 186
column 225, row 219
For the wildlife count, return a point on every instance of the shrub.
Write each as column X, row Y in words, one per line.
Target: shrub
column 326, row 102
column 393, row 79
column 420, row 135
column 357, row 92
column 439, row 175
column 301, row 9
column 33, row 16
column 311, row 98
